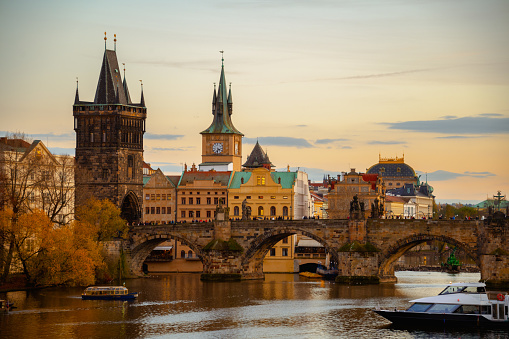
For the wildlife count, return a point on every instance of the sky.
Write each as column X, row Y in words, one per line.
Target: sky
column 324, row 86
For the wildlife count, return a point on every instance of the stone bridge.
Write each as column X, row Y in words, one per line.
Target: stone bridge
column 365, row 250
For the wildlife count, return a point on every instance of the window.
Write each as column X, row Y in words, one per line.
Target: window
column 236, row 197
column 223, row 201
column 190, row 201
column 163, row 196
column 168, row 210
column 273, row 197
column 182, row 254
column 398, row 169
column 158, row 210
column 260, row 181
column 284, row 252
column 183, row 214
column 158, row 196
column 163, row 210
column 208, row 201
column 272, row 211
column 191, row 214
column 285, row 197
column 147, row 210
column 130, row 166
column 285, row 240
column 208, row 214
column 248, row 197
column 183, row 201
column 153, row 196
column 241, row 180
column 272, row 252
column 198, row 201
column 198, row 214
column 260, row 211
column 260, row 197
column 382, row 169
column 168, row 197
column 216, row 201
column 152, row 210
column 147, row 196
column 189, row 254
column 105, row 174
column 236, row 210
column 285, row 211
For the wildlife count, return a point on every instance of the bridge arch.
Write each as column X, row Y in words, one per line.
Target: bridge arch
column 141, row 249
column 389, row 256
column 252, row 259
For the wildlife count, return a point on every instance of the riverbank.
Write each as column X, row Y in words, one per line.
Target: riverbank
column 15, row 283
column 436, row 268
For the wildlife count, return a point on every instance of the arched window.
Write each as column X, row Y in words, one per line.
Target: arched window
column 190, row 254
column 241, row 180
column 285, row 211
column 236, row 210
column 182, row 254
column 260, row 211
column 272, row 211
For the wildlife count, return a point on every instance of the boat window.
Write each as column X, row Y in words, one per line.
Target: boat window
column 485, row 309
column 418, row 307
column 473, row 289
column 443, row 308
column 468, row 309
column 452, row 289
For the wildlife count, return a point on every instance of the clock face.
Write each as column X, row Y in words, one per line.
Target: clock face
column 217, row 147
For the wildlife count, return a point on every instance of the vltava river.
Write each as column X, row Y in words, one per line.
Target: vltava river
column 180, row 305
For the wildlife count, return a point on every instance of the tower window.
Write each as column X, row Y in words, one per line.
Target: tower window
column 130, row 166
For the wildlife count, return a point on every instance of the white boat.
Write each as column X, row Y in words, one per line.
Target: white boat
column 464, row 304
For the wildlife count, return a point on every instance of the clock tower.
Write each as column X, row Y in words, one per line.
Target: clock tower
column 221, row 142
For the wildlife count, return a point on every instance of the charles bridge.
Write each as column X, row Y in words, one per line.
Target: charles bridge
column 365, row 250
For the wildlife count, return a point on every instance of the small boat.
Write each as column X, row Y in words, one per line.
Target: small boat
column 108, row 293
column 464, row 304
column 328, row 274
column 310, row 275
column 6, row 305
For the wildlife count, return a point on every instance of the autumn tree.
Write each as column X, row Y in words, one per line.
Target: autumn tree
column 102, row 217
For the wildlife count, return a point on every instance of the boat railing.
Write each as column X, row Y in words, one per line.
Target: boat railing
column 495, row 295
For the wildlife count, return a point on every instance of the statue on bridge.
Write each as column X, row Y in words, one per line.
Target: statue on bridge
column 356, row 208
column 246, row 211
column 377, row 209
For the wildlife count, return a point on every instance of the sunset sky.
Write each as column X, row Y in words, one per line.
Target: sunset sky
column 324, row 86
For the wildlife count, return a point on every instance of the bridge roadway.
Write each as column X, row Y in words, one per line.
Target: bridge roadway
column 366, row 250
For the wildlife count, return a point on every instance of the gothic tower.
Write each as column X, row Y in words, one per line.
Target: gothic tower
column 109, row 142
column 221, row 142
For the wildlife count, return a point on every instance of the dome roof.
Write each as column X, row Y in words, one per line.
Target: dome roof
column 392, row 168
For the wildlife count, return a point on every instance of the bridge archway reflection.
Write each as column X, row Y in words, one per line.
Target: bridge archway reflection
column 389, row 257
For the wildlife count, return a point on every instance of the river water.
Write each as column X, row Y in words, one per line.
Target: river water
column 281, row 306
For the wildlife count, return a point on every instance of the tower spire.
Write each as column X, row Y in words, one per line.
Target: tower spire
column 142, row 101
column 77, row 97
column 105, row 38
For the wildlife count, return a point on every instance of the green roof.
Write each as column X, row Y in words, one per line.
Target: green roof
column 237, row 179
column 287, row 178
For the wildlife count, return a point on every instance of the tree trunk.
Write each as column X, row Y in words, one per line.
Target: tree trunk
column 8, row 261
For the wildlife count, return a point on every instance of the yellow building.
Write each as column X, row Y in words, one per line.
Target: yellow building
column 158, row 199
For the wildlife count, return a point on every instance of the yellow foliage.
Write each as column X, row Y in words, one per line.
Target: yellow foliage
column 102, row 217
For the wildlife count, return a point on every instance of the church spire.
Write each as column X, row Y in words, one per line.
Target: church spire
column 142, row 101
column 126, row 89
column 77, row 97
column 222, row 107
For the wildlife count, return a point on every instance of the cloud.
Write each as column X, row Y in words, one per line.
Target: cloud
column 442, row 175
column 280, row 141
column 449, row 117
column 151, row 136
column 458, row 137
column 302, row 126
column 490, row 115
column 163, row 149
column 329, row 141
column 466, row 125
column 61, row 151
column 388, row 142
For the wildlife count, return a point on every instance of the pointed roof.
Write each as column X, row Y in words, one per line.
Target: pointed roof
column 222, row 122
column 258, row 158
column 77, row 97
column 126, row 90
column 109, row 84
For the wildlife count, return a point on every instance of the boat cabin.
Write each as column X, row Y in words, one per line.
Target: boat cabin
column 106, row 290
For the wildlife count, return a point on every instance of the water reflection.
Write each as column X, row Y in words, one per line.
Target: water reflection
column 180, row 304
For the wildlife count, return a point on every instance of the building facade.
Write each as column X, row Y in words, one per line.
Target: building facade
column 394, row 172
column 159, row 199
column 109, row 142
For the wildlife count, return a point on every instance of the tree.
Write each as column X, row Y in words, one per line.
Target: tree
column 103, row 218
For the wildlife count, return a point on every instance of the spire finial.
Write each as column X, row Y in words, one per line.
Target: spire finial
column 76, row 82
column 124, row 69
column 214, row 86
column 105, row 38
column 115, row 42
column 222, row 58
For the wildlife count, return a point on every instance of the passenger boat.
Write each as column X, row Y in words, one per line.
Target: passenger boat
column 108, row 293
column 464, row 304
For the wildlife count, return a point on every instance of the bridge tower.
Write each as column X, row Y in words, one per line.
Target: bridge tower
column 109, row 142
